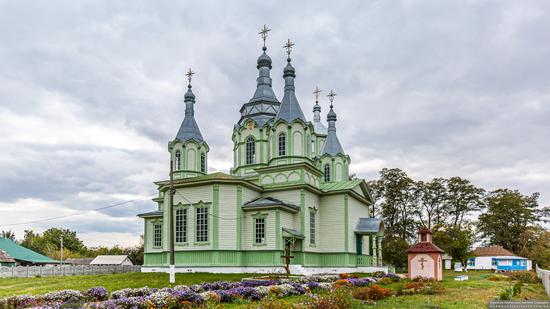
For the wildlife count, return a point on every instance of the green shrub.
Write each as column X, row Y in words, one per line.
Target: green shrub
column 507, row 293
column 385, row 281
column 517, row 288
column 523, row 276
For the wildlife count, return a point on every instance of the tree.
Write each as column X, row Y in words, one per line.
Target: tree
column 536, row 246
column 456, row 242
column 431, row 197
column 8, row 235
column 395, row 196
column 508, row 214
column 394, row 252
column 462, row 198
column 49, row 242
column 33, row 241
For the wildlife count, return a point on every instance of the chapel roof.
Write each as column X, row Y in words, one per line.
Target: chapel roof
column 290, row 109
column 492, row 251
column 269, row 201
column 189, row 129
column 424, row 247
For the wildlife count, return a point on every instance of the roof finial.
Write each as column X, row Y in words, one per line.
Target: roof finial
column 189, row 75
column 288, row 46
column 263, row 33
column 331, row 96
column 316, row 93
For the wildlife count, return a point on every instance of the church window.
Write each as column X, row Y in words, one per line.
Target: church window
column 313, row 147
column 250, row 150
column 423, row 237
column 157, row 235
column 181, row 225
column 308, row 145
column 282, row 144
column 312, row 227
column 202, row 224
column 327, row 172
column 177, row 164
column 203, row 163
column 259, row 231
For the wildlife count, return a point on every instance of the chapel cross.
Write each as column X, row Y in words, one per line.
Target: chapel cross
column 316, row 93
column 288, row 46
column 287, row 257
column 263, row 33
column 422, row 260
column 189, row 75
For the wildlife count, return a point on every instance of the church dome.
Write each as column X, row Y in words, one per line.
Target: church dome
column 264, row 60
column 331, row 116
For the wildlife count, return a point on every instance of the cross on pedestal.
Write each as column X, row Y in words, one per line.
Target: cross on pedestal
column 287, row 258
column 422, row 260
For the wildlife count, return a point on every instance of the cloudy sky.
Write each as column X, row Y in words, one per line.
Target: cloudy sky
column 92, row 91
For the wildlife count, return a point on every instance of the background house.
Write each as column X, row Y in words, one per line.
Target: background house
column 110, row 260
column 24, row 256
column 79, row 261
column 497, row 258
column 6, row 259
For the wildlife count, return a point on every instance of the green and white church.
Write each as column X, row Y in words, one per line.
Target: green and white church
column 288, row 197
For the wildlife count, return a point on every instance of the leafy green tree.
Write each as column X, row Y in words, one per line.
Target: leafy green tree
column 456, row 242
column 536, row 246
column 432, row 196
column 49, row 242
column 33, row 241
column 507, row 215
column 394, row 252
column 462, row 199
column 395, row 197
column 8, row 235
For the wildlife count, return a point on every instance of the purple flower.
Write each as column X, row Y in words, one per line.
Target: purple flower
column 97, row 294
column 187, row 295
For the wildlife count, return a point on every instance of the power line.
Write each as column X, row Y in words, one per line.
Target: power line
column 77, row 213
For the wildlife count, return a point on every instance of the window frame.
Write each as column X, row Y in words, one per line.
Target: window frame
column 202, row 228
column 157, row 227
column 312, row 227
column 326, row 172
column 203, row 162
column 250, row 149
column 282, row 144
column 177, row 160
column 256, row 219
column 181, row 232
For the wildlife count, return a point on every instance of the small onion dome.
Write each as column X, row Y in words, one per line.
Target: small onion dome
column 331, row 116
column 189, row 95
column 289, row 70
column 317, row 107
column 264, row 60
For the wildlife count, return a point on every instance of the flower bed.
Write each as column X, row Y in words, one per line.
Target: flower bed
column 178, row 296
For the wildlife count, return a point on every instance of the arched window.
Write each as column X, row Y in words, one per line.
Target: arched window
column 308, row 146
column 250, row 150
column 282, row 144
column 327, row 172
column 203, row 162
column 177, row 163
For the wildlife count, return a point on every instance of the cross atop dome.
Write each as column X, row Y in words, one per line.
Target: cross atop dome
column 288, row 46
column 316, row 93
column 263, row 33
column 189, row 75
column 331, row 96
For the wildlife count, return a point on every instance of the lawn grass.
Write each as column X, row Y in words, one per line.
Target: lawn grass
column 476, row 292
column 17, row 286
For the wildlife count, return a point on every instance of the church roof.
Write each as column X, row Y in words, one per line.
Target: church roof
column 151, row 214
column 341, row 185
column 369, row 226
column 290, row 109
column 263, row 202
column 332, row 144
column 189, row 129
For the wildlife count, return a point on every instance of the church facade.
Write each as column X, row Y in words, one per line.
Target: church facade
column 288, row 197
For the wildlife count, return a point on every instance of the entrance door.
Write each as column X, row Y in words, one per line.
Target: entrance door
column 359, row 244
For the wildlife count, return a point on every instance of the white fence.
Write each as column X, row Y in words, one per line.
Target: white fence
column 65, row 270
column 544, row 275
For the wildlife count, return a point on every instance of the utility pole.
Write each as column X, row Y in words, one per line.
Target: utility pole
column 172, row 192
column 61, row 249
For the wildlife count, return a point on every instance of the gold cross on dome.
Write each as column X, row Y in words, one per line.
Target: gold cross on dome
column 331, row 96
column 316, row 93
column 189, row 75
column 288, row 46
column 263, row 33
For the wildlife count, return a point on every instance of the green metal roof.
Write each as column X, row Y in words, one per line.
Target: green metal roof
column 341, row 185
column 23, row 254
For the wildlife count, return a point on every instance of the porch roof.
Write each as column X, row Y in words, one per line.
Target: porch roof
column 369, row 226
column 292, row 233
